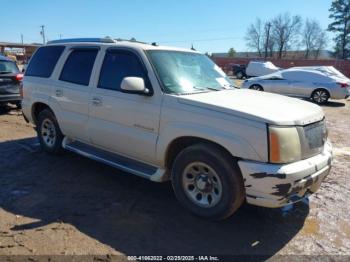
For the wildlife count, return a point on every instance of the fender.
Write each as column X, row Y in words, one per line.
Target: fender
column 237, row 145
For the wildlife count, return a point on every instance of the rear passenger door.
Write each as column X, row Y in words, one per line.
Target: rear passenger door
column 71, row 91
column 120, row 122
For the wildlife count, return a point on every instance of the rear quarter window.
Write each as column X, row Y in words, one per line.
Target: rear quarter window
column 44, row 61
column 8, row 67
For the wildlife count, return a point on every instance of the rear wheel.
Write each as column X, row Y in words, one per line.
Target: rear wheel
column 256, row 87
column 207, row 182
column 49, row 133
column 239, row 75
column 320, row 96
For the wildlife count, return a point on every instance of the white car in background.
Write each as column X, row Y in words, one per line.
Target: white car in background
column 258, row 68
column 315, row 84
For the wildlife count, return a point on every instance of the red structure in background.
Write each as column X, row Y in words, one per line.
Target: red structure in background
column 342, row 65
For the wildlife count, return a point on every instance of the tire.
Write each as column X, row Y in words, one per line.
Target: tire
column 49, row 132
column 256, row 87
column 202, row 170
column 19, row 105
column 320, row 96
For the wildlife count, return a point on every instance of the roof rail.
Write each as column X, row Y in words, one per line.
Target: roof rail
column 78, row 40
column 131, row 41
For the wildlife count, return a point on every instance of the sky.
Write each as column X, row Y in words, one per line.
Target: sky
column 210, row 25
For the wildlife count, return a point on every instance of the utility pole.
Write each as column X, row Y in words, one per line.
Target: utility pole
column 42, row 32
column 23, row 48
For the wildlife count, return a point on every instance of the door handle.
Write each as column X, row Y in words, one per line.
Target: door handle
column 59, row 92
column 96, row 101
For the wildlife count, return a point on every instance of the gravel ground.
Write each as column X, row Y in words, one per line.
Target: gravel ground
column 55, row 205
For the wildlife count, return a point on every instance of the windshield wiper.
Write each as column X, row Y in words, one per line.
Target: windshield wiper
column 5, row 72
column 205, row 88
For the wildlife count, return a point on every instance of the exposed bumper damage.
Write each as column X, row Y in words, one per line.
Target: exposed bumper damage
column 272, row 185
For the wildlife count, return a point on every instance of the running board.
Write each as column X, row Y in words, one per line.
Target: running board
column 117, row 161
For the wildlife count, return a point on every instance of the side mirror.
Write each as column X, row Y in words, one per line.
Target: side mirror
column 134, row 85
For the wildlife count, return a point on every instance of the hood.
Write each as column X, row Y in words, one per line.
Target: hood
column 259, row 106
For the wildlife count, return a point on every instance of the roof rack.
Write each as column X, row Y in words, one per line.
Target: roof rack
column 78, row 40
column 130, row 40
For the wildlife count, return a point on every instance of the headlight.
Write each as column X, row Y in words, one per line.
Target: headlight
column 284, row 145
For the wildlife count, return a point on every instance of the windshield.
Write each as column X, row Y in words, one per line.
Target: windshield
column 186, row 72
column 7, row 67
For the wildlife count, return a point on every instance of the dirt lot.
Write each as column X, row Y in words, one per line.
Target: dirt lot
column 72, row 205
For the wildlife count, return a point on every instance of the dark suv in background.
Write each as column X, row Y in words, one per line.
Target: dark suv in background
column 10, row 82
column 239, row 71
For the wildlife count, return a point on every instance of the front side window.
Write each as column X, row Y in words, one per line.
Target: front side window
column 78, row 66
column 116, row 66
column 44, row 61
column 187, row 72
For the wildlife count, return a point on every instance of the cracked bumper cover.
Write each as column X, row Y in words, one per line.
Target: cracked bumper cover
column 271, row 185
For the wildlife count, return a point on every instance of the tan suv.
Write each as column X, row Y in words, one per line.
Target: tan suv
column 166, row 113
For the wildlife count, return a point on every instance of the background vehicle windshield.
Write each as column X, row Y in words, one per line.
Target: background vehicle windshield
column 7, row 67
column 185, row 72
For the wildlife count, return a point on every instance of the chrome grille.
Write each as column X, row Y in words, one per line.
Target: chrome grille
column 316, row 134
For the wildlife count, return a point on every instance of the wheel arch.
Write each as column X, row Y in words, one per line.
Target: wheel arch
column 38, row 107
column 256, row 84
column 321, row 88
column 180, row 143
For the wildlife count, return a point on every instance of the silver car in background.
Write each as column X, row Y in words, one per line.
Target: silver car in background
column 304, row 83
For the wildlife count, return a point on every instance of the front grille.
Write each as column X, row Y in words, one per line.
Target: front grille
column 313, row 138
column 316, row 134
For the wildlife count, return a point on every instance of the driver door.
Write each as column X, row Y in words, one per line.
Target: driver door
column 124, row 123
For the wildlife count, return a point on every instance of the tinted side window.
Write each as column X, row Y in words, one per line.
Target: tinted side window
column 78, row 66
column 43, row 62
column 118, row 65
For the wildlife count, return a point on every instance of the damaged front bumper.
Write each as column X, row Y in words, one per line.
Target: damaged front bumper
column 271, row 185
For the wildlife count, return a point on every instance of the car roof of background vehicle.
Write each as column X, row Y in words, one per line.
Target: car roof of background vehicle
column 117, row 43
column 311, row 72
column 4, row 58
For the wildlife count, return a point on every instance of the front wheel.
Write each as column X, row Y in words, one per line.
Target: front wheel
column 207, row 182
column 49, row 133
column 256, row 87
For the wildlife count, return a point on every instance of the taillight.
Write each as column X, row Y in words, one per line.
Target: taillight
column 19, row 77
column 343, row 85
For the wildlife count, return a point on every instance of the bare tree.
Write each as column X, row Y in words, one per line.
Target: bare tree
column 285, row 30
column 254, row 36
column 313, row 38
column 267, row 38
column 321, row 43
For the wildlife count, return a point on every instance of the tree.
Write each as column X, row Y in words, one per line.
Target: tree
column 313, row 38
column 321, row 43
column 231, row 52
column 254, row 36
column 268, row 39
column 285, row 30
column 340, row 13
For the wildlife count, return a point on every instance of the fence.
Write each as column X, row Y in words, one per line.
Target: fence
column 342, row 65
